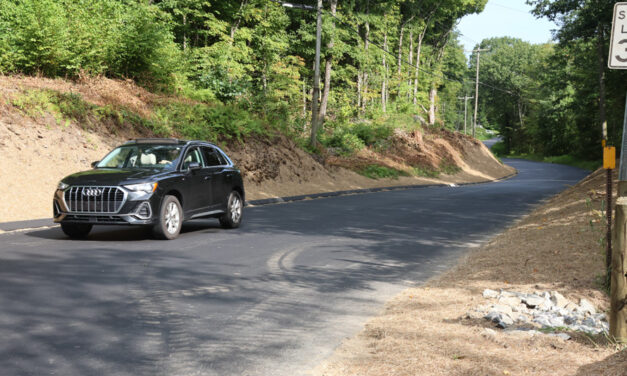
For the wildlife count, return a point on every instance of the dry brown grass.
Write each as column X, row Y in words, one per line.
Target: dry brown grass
column 430, row 149
column 424, row 331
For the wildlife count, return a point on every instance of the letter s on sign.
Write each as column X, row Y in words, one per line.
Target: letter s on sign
column 622, row 59
column 621, row 15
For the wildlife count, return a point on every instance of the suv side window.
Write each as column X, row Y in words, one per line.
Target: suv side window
column 193, row 155
column 212, row 157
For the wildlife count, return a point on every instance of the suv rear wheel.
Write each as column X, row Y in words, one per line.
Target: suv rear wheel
column 234, row 210
column 76, row 230
column 170, row 219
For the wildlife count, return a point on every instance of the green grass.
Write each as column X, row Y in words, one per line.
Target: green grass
column 381, row 172
column 499, row 150
column 425, row 172
column 449, row 169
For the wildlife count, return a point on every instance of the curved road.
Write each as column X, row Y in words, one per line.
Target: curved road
column 272, row 298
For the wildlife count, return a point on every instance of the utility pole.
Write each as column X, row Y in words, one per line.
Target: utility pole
column 465, row 99
column 474, row 124
column 315, row 116
column 315, row 107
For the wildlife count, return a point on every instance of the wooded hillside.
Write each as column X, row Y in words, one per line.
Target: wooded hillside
column 247, row 66
column 252, row 61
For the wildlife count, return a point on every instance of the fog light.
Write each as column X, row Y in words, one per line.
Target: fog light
column 144, row 211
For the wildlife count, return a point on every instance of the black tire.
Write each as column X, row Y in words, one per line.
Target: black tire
column 170, row 219
column 234, row 211
column 76, row 230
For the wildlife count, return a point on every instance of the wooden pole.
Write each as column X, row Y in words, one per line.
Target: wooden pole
column 474, row 124
column 315, row 120
column 618, row 278
column 466, row 98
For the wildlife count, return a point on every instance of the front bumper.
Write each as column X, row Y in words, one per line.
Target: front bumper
column 139, row 208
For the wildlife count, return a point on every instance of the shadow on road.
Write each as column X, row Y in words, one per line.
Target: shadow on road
column 125, row 233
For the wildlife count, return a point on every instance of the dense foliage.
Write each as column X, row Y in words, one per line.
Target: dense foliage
column 255, row 56
column 559, row 95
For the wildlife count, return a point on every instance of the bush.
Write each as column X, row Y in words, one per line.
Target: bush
column 380, row 172
column 371, row 133
column 346, row 142
column 63, row 38
column 499, row 149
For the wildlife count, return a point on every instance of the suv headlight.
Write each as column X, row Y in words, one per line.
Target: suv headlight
column 142, row 187
column 62, row 185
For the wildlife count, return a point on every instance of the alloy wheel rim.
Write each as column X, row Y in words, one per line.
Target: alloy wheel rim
column 172, row 217
column 236, row 209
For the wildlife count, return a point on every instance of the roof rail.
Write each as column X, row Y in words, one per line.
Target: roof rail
column 154, row 140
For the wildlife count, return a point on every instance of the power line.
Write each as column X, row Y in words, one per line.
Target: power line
column 510, row 8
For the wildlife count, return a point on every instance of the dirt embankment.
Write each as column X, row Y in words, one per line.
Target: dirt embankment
column 428, row 331
column 38, row 146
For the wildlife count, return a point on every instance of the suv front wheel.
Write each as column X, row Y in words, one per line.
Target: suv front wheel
column 234, row 210
column 170, row 219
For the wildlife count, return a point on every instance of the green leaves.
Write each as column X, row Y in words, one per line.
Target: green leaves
column 62, row 38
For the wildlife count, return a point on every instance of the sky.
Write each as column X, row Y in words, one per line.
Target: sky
column 504, row 18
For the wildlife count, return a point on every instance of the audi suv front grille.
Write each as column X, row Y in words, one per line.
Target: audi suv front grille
column 94, row 199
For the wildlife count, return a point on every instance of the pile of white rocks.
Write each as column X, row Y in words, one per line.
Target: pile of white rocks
column 548, row 310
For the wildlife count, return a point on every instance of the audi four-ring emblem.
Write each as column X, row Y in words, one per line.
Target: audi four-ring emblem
column 92, row 192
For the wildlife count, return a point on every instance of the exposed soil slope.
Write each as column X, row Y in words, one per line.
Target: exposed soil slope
column 38, row 146
column 426, row 331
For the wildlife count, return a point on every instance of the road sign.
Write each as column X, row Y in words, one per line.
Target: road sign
column 618, row 43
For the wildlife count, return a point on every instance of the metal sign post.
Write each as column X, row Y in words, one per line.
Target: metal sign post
column 617, row 258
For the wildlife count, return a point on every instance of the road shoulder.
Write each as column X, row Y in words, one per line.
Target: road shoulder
column 427, row 330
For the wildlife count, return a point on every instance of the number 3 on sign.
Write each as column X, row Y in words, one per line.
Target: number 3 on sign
column 618, row 42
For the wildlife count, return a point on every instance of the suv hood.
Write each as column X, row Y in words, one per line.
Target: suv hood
column 112, row 176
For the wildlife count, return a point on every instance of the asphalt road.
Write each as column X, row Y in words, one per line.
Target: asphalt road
column 271, row 298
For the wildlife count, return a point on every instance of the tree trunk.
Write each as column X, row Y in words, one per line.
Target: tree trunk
column 235, row 25
column 417, row 67
column 410, row 59
column 359, row 79
column 432, row 94
column 364, row 99
column 421, row 37
column 601, row 59
column 385, row 78
column 400, row 52
column 327, row 68
column 184, row 34
column 304, row 100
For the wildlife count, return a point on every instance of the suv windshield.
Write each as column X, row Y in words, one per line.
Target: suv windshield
column 142, row 156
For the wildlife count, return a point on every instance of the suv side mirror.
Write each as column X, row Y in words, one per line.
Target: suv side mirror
column 192, row 166
column 94, row 164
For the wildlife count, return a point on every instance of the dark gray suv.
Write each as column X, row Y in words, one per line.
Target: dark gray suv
column 152, row 182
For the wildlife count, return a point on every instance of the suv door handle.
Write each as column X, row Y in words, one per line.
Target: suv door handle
column 207, row 177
